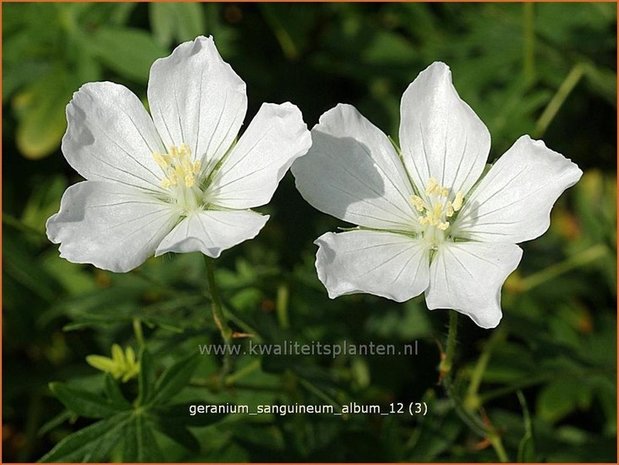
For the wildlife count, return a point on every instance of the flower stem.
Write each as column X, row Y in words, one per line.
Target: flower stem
column 576, row 261
column 282, row 305
column 529, row 41
column 446, row 364
column 472, row 400
column 217, row 308
column 497, row 445
column 566, row 87
column 466, row 415
column 137, row 330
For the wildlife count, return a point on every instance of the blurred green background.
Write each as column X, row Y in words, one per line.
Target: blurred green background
column 544, row 381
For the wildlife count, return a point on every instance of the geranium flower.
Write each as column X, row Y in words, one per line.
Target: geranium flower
column 177, row 182
column 427, row 222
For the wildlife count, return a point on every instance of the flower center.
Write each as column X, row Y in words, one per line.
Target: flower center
column 435, row 209
column 177, row 167
column 180, row 176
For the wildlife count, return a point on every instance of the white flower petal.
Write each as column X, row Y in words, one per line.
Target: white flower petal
column 440, row 135
column 196, row 98
column 352, row 172
column 467, row 277
column 110, row 136
column 513, row 201
column 385, row 264
column 211, row 232
column 252, row 170
column 109, row 225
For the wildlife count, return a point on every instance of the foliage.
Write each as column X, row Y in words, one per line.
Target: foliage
column 545, row 380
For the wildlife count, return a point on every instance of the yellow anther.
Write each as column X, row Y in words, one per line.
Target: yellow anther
column 449, row 210
column 457, row 203
column 160, row 160
column 177, row 167
column 436, row 209
column 432, row 186
column 418, row 203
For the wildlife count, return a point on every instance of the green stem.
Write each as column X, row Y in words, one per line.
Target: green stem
column 586, row 256
column 497, row 445
column 220, row 319
column 551, row 110
column 231, row 312
column 16, row 223
column 529, row 42
column 232, row 379
column 541, row 379
column 137, row 330
column 217, row 308
column 446, row 364
column 470, row 419
column 282, row 305
column 472, row 401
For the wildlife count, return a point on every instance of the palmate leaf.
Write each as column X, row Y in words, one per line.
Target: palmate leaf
column 113, row 392
column 174, row 420
column 181, row 21
column 174, row 379
column 131, row 427
column 110, row 46
column 86, row 404
column 140, row 444
column 92, row 443
column 145, row 377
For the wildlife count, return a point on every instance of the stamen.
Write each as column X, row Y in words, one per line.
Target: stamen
column 177, row 167
column 457, row 203
column 432, row 186
column 418, row 203
column 436, row 208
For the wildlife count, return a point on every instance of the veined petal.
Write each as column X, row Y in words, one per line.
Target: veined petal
column 250, row 173
column 441, row 137
column 110, row 137
column 389, row 265
column 109, row 225
column 467, row 277
column 513, row 201
column 353, row 172
column 211, row 232
column 196, row 98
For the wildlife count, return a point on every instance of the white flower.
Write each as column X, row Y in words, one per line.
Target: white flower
column 427, row 221
column 177, row 182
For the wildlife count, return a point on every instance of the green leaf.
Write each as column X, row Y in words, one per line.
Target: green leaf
column 145, row 377
column 174, row 379
column 140, row 444
column 92, row 443
column 40, row 109
column 129, row 52
column 179, row 414
column 84, row 403
column 179, row 434
column 190, row 17
column 180, row 21
column 113, row 392
column 526, row 447
column 162, row 22
column 558, row 399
